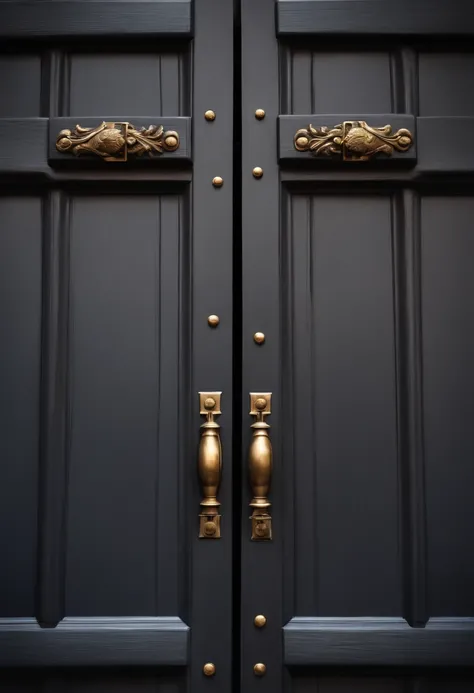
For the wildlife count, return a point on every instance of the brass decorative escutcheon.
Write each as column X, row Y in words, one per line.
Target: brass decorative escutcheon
column 117, row 141
column 353, row 140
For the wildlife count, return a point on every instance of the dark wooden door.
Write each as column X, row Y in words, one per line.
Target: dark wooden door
column 359, row 274
column 108, row 276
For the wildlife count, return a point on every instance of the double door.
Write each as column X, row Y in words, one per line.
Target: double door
column 236, row 447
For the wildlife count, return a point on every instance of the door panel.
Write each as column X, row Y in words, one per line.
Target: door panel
column 360, row 284
column 107, row 285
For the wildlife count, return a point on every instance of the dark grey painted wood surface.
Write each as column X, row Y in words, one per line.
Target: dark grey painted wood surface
column 378, row 17
column 26, row 19
column 105, row 294
column 90, row 642
column 382, row 641
column 181, row 125
column 366, row 352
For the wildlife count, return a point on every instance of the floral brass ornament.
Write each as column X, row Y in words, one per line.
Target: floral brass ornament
column 353, row 139
column 116, row 141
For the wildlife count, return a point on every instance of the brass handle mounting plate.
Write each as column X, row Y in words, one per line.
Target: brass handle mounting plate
column 352, row 140
column 116, row 141
column 260, row 466
column 210, row 465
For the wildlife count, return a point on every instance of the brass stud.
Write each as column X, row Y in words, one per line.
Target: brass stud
column 259, row 338
column 260, row 403
column 209, row 669
column 257, row 172
column 260, row 114
column 213, row 320
column 209, row 115
column 259, row 669
column 260, row 620
column 217, row 182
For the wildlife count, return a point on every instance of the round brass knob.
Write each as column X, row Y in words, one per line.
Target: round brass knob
column 217, row 182
column 260, row 620
column 260, row 403
column 209, row 115
column 209, row 669
column 259, row 669
column 209, row 403
column 257, row 172
column 213, row 320
column 259, row 337
column 260, row 114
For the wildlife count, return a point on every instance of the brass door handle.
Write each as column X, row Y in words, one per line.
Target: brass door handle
column 260, row 466
column 352, row 140
column 210, row 466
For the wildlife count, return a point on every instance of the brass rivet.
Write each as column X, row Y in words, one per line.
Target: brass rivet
column 209, row 115
column 209, row 669
column 260, row 114
column 217, row 182
column 260, row 620
column 260, row 403
column 209, row 403
column 257, row 172
column 259, row 669
column 259, row 337
column 213, row 320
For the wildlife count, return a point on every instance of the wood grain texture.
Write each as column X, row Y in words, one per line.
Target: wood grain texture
column 75, row 18
column 359, row 17
column 54, row 411
column 406, row 249
column 155, row 641
column 378, row 642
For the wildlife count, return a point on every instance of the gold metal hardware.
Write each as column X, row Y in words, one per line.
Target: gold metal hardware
column 259, row 669
column 210, row 465
column 259, row 338
column 209, row 669
column 260, row 466
column 260, row 621
column 209, row 115
column 217, row 182
column 213, row 320
column 353, row 139
column 116, row 141
column 257, row 172
column 260, row 114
